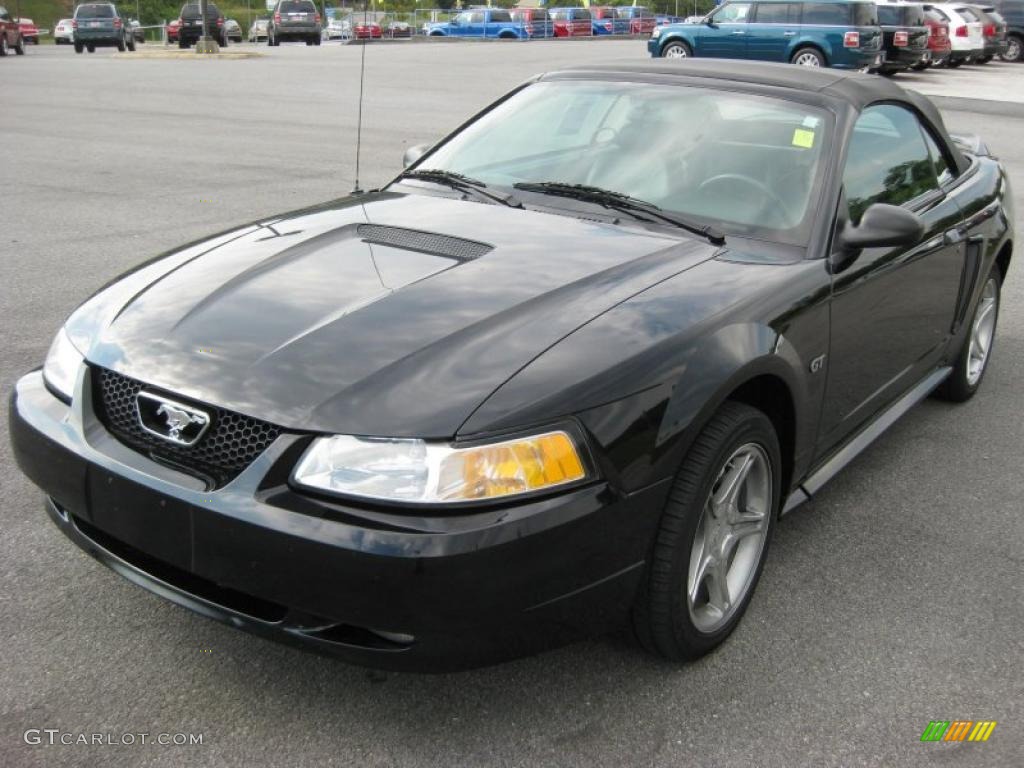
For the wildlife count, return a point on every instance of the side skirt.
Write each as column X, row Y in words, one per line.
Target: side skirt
column 817, row 479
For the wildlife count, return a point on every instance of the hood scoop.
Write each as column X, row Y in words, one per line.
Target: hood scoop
column 423, row 242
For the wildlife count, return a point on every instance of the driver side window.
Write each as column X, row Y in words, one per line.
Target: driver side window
column 887, row 160
column 733, row 13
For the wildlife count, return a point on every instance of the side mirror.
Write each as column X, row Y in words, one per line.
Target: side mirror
column 882, row 225
column 414, row 153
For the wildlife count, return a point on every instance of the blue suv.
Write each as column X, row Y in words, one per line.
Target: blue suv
column 825, row 33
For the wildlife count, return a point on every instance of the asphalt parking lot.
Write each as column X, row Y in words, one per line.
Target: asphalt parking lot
column 893, row 599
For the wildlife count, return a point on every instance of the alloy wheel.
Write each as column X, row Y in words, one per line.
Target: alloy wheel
column 983, row 328
column 675, row 51
column 807, row 59
column 730, row 538
column 1012, row 50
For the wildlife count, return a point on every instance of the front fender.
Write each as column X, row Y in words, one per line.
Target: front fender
column 644, row 377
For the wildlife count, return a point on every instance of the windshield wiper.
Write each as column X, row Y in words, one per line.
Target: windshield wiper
column 461, row 183
column 620, row 202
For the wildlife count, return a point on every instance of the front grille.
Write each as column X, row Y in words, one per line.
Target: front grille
column 231, row 443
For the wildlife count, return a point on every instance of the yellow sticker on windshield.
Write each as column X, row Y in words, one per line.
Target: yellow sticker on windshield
column 802, row 138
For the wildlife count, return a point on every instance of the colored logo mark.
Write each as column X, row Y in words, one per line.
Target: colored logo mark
column 958, row 730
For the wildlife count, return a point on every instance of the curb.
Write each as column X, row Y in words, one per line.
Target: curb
column 189, row 54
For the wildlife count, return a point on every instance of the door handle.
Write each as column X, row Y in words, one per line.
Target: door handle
column 738, row 32
column 788, row 33
column 952, row 236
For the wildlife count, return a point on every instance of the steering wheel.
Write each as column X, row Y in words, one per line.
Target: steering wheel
column 758, row 186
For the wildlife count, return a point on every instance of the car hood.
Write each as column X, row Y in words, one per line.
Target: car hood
column 348, row 318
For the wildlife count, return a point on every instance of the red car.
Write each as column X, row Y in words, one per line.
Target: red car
column 367, row 30
column 641, row 20
column 29, row 30
column 10, row 34
column 939, row 46
column 572, row 22
column 536, row 21
column 172, row 30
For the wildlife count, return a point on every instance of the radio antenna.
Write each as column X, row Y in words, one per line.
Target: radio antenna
column 359, row 119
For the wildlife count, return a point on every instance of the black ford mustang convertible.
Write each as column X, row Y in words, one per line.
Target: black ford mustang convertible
column 561, row 375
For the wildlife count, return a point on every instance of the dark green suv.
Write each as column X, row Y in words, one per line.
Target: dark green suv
column 98, row 25
column 821, row 33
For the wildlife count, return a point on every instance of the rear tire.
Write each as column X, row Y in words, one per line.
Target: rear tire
column 79, row 47
column 983, row 60
column 1014, row 48
column 121, row 45
column 91, row 48
column 3, row 45
column 808, row 57
column 954, row 63
column 713, row 537
column 19, row 47
column 976, row 352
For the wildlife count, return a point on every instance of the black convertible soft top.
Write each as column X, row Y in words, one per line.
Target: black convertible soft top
column 856, row 89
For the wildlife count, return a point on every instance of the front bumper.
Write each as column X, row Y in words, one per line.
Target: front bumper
column 391, row 591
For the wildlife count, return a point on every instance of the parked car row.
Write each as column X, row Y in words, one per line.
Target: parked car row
column 526, row 23
column 883, row 37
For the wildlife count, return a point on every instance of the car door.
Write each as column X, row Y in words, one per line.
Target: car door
column 770, row 31
column 892, row 308
column 724, row 35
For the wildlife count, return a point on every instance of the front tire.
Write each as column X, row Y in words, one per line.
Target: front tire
column 677, row 49
column 19, row 47
column 714, row 533
column 972, row 362
column 808, row 57
column 3, row 45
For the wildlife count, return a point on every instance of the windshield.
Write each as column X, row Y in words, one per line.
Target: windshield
column 745, row 164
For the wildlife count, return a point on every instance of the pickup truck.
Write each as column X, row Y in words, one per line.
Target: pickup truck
column 481, row 22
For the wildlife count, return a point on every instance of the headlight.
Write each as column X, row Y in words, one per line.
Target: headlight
column 416, row 471
column 656, row 32
column 62, row 364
